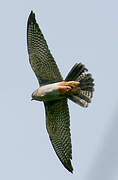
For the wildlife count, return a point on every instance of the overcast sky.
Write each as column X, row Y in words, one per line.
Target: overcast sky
column 76, row 31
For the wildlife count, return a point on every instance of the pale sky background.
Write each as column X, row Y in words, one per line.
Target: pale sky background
column 76, row 31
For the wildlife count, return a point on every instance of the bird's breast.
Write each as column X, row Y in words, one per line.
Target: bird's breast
column 50, row 92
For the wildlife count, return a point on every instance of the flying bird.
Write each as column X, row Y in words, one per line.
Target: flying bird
column 54, row 91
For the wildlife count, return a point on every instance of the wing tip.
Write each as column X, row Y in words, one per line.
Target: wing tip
column 68, row 166
column 31, row 17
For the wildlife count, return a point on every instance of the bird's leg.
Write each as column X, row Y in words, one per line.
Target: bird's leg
column 70, row 87
column 72, row 84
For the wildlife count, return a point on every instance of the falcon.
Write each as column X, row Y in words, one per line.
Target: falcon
column 54, row 91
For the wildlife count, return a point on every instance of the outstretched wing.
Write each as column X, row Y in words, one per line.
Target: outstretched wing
column 58, row 127
column 41, row 59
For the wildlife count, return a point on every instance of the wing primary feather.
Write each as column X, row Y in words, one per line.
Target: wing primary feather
column 58, row 127
column 41, row 59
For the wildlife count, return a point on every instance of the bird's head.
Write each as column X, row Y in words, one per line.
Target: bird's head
column 35, row 95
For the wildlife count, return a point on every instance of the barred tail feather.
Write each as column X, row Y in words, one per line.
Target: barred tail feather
column 79, row 101
column 84, row 95
column 75, row 72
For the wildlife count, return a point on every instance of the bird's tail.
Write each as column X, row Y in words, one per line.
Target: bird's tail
column 84, row 95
